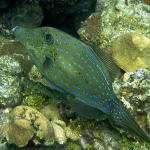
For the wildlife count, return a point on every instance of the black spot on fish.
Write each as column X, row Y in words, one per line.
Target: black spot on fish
column 49, row 38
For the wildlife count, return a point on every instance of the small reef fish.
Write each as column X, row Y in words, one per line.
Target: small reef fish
column 73, row 67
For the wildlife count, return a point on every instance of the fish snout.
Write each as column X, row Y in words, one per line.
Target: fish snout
column 14, row 29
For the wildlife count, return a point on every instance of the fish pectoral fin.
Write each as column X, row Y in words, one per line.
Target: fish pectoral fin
column 47, row 63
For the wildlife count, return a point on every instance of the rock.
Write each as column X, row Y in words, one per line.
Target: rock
column 4, row 120
column 131, row 52
column 51, row 112
column 111, row 139
column 133, row 89
column 59, row 132
column 101, row 5
column 72, row 134
column 28, row 124
column 16, row 51
column 89, row 29
column 10, row 89
column 27, row 15
column 98, row 145
column 10, row 65
column 121, row 17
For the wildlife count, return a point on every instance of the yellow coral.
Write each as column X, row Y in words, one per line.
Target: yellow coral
column 25, row 123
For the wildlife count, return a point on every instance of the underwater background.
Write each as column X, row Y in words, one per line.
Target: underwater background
column 36, row 114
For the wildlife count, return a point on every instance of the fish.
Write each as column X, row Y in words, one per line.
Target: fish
column 73, row 67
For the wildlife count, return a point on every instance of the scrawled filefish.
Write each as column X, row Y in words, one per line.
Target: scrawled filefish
column 73, row 67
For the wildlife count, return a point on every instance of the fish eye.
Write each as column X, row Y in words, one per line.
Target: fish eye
column 49, row 38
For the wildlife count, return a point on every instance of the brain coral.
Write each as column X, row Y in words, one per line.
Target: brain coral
column 27, row 123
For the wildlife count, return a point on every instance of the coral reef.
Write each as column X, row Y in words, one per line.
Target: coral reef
column 110, row 138
column 9, row 83
column 133, row 89
column 116, row 19
column 15, row 51
column 46, row 118
column 120, row 18
column 131, row 51
column 27, row 123
column 98, row 145
column 9, row 90
column 90, row 28
column 52, row 113
column 9, row 65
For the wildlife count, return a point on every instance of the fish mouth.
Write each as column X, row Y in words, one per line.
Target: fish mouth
column 14, row 29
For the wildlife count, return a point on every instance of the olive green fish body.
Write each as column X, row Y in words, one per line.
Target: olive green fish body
column 73, row 67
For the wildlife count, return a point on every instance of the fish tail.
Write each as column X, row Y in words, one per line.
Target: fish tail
column 122, row 118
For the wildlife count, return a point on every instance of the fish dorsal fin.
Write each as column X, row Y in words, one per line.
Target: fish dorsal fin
column 106, row 57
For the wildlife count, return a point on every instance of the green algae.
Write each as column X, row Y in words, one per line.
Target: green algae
column 89, row 146
column 81, row 124
column 34, row 101
column 72, row 146
column 76, row 125
column 135, row 145
column 36, row 95
column 32, row 95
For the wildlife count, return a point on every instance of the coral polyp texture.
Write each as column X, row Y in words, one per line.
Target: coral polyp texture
column 27, row 123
